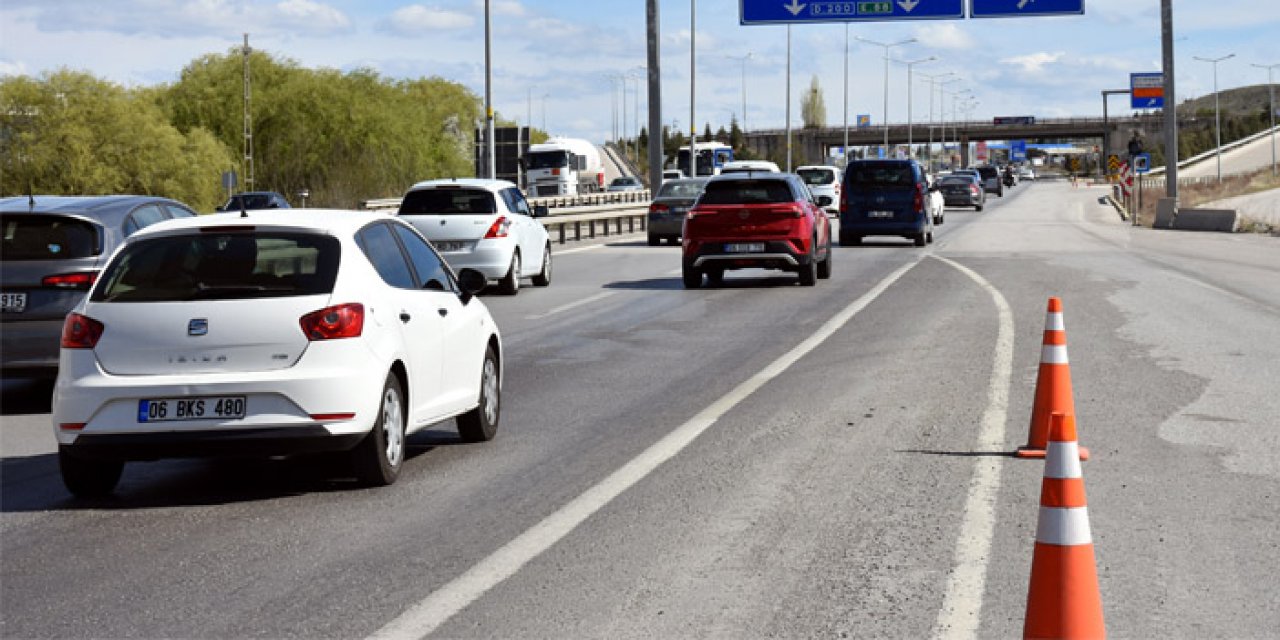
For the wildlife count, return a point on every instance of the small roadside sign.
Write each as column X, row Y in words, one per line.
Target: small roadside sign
column 1146, row 90
column 1142, row 163
column 1018, row 150
column 1113, row 164
column 1018, row 8
column 864, row 120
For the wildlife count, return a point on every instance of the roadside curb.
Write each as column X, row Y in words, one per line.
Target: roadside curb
column 1108, row 199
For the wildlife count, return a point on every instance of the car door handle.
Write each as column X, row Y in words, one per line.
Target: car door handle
column 405, row 317
column 442, row 311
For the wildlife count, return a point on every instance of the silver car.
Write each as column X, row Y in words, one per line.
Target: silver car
column 823, row 181
column 53, row 248
column 670, row 206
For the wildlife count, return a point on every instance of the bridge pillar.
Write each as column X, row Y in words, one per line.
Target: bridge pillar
column 964, row 150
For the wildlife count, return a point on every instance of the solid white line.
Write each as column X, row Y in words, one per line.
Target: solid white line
column 572, row 305
column 566, row 252
column 962, row 602
column 426, row 616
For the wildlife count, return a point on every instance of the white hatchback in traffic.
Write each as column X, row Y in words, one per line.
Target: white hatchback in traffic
column 486, row 225
column 282, row 332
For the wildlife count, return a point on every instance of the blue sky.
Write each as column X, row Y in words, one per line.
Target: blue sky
column 562, row 53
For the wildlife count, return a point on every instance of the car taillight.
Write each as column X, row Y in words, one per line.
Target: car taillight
column 698, row 213
column 973, row 188
column 797, row 211
column 80, row 332
column 332, row 323
column 80, row 280
column 659, row 208
column 499, row 228
column 917, row 202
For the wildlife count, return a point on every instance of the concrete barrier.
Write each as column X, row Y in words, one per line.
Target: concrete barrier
column 1221, row 220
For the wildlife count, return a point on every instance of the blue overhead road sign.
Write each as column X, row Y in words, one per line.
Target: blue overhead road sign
column 1015, row 8
column 796, row 11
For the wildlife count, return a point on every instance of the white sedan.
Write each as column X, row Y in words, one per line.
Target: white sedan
column 277, row 333
column 486, row 225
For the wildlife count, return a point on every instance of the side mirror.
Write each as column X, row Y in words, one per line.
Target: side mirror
column 825, row 201
column 541, row 211
column 472, row 283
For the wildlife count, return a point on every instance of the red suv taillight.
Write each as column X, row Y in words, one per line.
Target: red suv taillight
column 332, row 323
column 80, row 280
column 917, row 202
column 697, row 212
column 973, row 188
column 499, row 228
column 80, row 332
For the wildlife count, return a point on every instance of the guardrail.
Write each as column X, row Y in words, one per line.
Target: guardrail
column 606, row 213
column 553, row 202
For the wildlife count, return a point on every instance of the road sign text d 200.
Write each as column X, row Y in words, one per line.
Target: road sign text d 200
column 1146, row 90
column 816, row 11
column 1018, row 8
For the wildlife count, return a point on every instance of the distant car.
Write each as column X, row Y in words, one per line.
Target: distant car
column 672, row 174
column 756, row 220
column 269, row 335
column 937, row 204
column 53, row 248
column 626, row 183
column 963, row 190
column 251, row 200
column 885, row 198
column 669, row 207
column 992, row 181
column 486, row 225
column 745, row 166
column 1025, row 172
column 823, row 180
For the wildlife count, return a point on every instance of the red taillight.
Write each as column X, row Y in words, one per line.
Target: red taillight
column 973, row 188
column 555, row 172
column 81, row 280
column 499, row 228
column 796, row 211
column 72, row 426
column 332, row 323
column 80, row 332
column 659, row 208
column 917, row 202
column 698, row 212
column 332, row 417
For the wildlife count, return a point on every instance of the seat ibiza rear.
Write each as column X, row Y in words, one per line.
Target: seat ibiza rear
column 274, row 334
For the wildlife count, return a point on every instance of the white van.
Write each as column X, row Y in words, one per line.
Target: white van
column 743, row 166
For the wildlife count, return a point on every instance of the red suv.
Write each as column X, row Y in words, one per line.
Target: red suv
column 756, row 220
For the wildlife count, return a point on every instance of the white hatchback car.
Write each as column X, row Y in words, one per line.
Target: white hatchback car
column 486, row 225
column 823, row 180
column 277, row 333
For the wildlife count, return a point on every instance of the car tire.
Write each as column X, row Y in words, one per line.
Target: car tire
column 654, row 240
column 920, row 239
column 87, row 477
column 692, row 278
column 481, row 423
column 850, row 240
column 930, row 238
column 809, row 272
column 824, row 267
column 380, row 455
column 510, row 284
column 715, row 277
column 977, row 207
column 544, row 278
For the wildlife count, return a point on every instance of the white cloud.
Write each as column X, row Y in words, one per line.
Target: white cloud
column 504, row 7
column 311, row 17
column 187, row 18
column 1034, row 62
column 412, row 20
column 8, row 68
column 944, row 36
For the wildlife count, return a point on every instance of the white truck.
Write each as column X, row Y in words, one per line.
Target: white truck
column 563, row 167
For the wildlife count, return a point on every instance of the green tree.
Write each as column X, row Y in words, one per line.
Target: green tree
column 813, row 110
column 69, row 133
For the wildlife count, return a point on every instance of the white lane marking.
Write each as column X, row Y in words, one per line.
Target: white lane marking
column 572, row 305
column 426, row 616
column 577, row 250
column 962, row 602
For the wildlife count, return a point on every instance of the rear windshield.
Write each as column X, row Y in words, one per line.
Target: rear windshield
column 46, row 237
column 957, row 180
column 817, row 177
column 746, row 192
column 222, row 266
column 448, row 201
column 988, row 172
column 881, row 174
column 682, row 189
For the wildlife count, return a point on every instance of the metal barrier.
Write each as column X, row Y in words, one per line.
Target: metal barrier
column 553, row 202
column 609, row 212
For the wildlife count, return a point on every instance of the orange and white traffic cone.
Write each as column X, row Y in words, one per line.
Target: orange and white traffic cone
column 1053, row 384
column 1063, row 600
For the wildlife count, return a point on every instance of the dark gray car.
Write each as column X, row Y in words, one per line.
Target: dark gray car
column 669, row 207
column 52, row 249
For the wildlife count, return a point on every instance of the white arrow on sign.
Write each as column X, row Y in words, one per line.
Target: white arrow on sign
column 1022, row 4
column 1151, row 102
column 908, row 5
column 795, row 7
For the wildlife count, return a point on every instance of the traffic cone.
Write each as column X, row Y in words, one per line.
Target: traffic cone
column 1063, row 600
column 1053, row 384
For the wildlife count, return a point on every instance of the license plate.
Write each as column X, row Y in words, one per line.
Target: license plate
column 13, row 302
column 744, row 247
column 879, row 214
column 176, row 409
column 450, row 246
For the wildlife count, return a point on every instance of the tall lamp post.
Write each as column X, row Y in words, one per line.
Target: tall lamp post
column 490, row 144
column 1217, row 120
column 887, row 47
column 693, row 67
column 1271, row 88
column 743, row 59
column 846, row 94
column 910, row 65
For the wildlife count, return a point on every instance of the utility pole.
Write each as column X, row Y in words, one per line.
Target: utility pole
column 1271, row 88
column 1171, row 105
column 846, row 94
column 886, row 82
column 1217, row 112
column 490, row 143
column 788, row 98
column 655, row 96
column 693, row 69
column 913, row 63
column 246, row 167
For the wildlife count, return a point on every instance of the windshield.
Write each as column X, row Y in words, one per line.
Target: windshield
column 548, row 160
column 881, row 174
column 817, row 177
column 448, row 201
column 956, row 180
column 746, row 192
column 682, row 189
column 45, row 237
column 221, row 266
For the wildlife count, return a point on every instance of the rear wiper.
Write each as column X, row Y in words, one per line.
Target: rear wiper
column 205, row 291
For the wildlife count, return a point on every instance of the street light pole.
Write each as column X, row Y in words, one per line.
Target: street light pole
column 886, row 82
column 788, row 98
column 743, row 60
column 693, row 122
column 1217, row 119
column 1271, row 88
column 490, row 143
column 910, row 65
column 846, row 94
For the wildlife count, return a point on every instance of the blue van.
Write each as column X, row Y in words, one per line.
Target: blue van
column 885, row 198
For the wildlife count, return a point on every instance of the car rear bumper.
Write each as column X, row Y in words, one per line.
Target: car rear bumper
column 30, row 347
column 857, row 225
column 490, row 257
column 255, row 443
column 666, row 225
column 962, row 201
column 777, row 254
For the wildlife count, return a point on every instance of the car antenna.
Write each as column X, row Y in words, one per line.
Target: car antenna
column 243, row 212
column 31, row 198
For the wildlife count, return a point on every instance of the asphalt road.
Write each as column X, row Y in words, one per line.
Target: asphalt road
column 760, row 460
